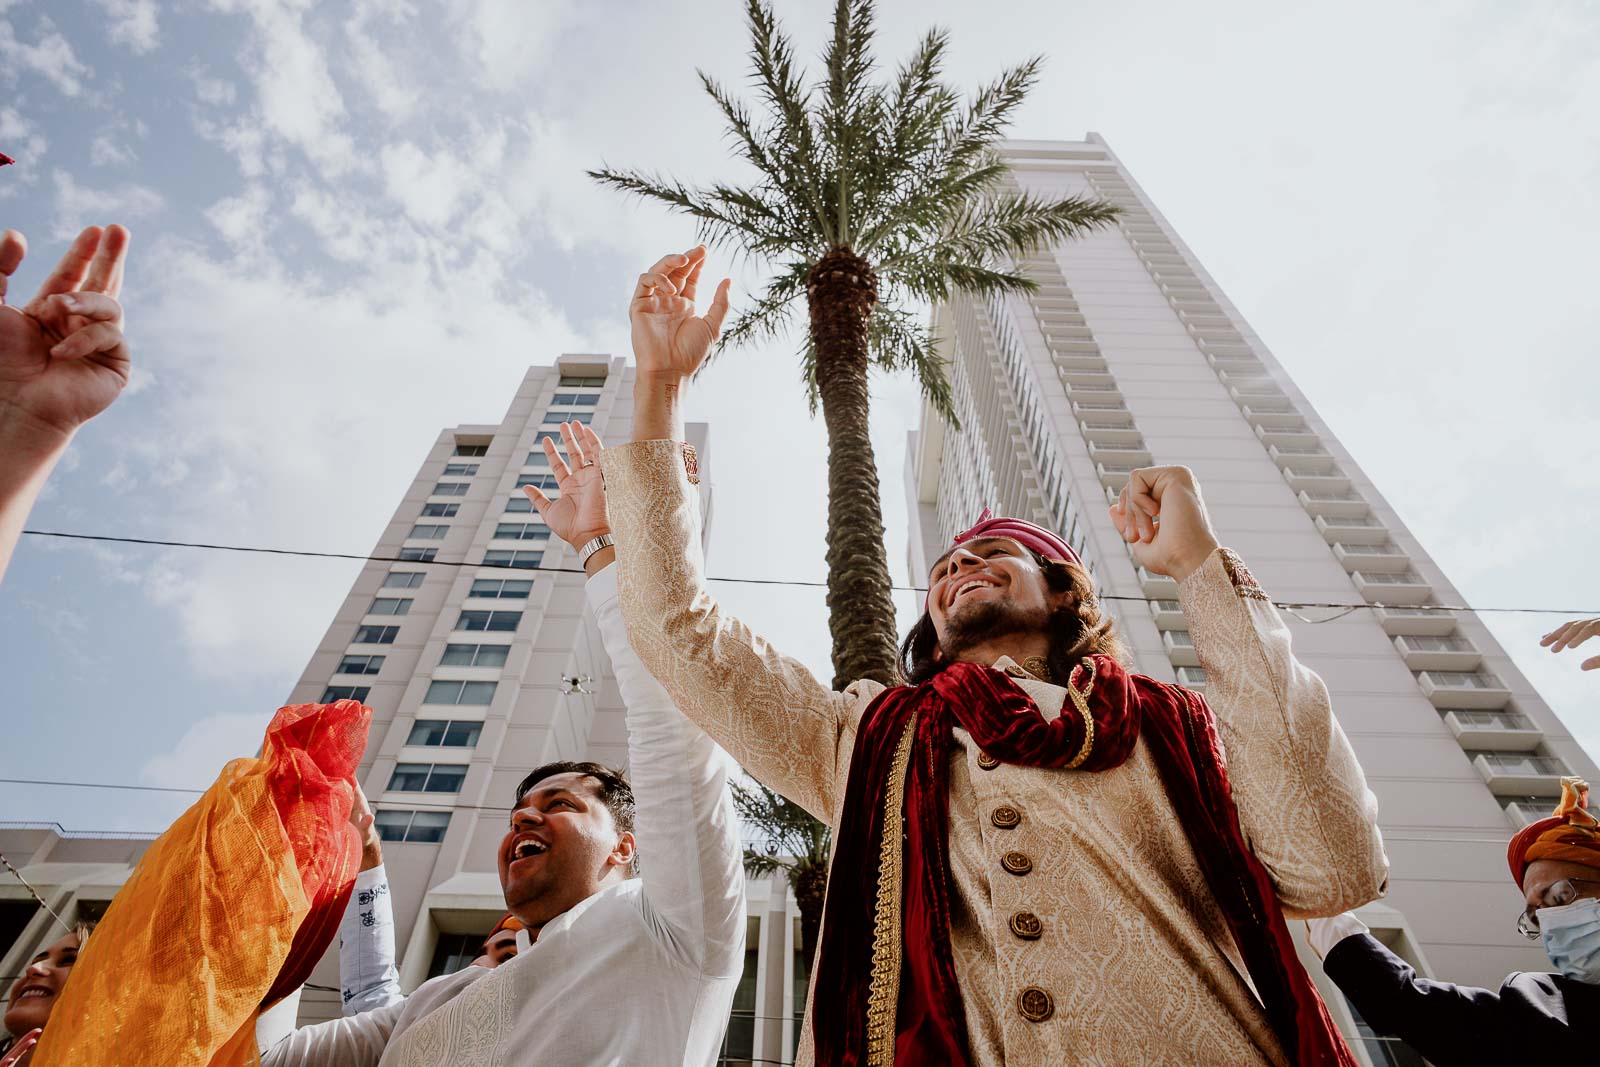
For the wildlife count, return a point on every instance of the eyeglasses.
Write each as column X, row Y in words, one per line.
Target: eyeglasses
column 1558, row 895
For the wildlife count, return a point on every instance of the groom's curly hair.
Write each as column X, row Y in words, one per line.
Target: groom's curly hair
column 1077, row 629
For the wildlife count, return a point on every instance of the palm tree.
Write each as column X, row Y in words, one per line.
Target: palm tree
column 790, row 840
column 870, row 197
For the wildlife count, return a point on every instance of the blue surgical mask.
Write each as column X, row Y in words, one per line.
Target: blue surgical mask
column 1572, row 939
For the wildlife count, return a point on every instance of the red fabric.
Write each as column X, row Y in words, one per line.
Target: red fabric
column 4, row 159
column 1571, row 834
column 1179, row 730
column 1042, row 541
column 317, row 748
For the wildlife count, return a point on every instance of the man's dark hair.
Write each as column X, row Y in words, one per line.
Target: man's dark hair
column 615, row 792
column 1077, row 629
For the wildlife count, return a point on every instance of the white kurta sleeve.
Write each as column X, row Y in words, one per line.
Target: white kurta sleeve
column 690, row 855
column 353, row 1041
column 368, row 977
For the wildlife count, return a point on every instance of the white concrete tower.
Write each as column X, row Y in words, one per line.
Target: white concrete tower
column 1130, row 354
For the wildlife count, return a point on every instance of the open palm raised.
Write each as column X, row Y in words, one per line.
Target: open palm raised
column 669, row 339
column 578, row 515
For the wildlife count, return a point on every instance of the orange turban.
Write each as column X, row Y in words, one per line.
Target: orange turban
column 1571, row 834
column 510, row 922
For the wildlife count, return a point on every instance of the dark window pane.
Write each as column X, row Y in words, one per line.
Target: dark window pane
column 455, row 951
column 473, row 620
column 519, row 503
column 344, row 692
column 440, row 511
column 443, row 693
column 360, row 665
column 547, row 435
column 392, row 824
column 446, row 778
column 458, row 655
column 376, row 635
column 462, row 734
column 472, row 450
column 402, row 580
column 504, row 621
column 477, row 694
column 409, row 777
column 390, row 606
column 422, row 555
column 515, row 590
column 491, row 655
column 464, row 470
column 427, row 732
column 430, row 826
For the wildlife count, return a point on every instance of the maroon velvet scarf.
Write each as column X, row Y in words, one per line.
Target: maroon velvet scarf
column 1180, row 732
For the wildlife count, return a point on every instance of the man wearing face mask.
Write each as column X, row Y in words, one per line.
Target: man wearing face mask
column 1556, row 863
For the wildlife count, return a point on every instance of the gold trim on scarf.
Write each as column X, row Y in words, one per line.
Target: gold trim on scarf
column 883, row 994
column 1080, row 700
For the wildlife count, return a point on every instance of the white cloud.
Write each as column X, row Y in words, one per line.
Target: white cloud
column 19, row 137
column 205, row 747
column 106, row 152
column 78, row 206
column 215, row 92
column 133, row 23
column 50, row 56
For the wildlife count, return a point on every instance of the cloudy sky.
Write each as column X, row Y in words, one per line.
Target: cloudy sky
column 358, row 222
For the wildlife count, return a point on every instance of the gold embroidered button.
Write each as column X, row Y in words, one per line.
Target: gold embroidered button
column 1035, row 1004
column 987, row 762
column 1026, row 925
column 1016, row 862
column 1005, row 816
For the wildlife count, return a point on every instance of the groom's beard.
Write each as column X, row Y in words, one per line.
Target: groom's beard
column 986, row 621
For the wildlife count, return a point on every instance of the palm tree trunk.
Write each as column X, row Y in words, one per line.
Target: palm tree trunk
column 810, row 885
column 841, row 291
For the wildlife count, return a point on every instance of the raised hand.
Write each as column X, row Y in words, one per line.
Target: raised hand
column 365, row 822
column 63, row 359
column 1160, row 514
column 1570, row 635
column 578, row 515
column 21, row 1050
column 669, row 341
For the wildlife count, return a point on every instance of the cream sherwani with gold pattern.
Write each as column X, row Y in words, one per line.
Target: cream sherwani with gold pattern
column 1133, row 952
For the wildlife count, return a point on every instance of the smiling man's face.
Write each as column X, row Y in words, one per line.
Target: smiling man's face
column 987, row 588
column 563, row 847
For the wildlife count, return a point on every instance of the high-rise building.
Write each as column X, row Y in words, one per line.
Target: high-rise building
column 1129, row 354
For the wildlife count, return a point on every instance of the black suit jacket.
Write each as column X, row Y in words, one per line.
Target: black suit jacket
column 1533, row 1015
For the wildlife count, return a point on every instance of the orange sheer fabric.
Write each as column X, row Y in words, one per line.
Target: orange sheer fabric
column 227, row 912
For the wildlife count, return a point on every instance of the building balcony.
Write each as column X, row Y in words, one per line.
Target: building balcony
column 1299, row 434
column 1157, row 586
column 1115, row 475
column 1508, row 774
column 1473, row 690
column 1380, row 588
column 1095, row 363
column 1225, row 350
column 1422, row 621
column 1185, row 291
column 1100, row 393
column 1334, row 504
column 1062, row 337
column 1090, row 378
column 1312, row 480
column 1216, row 335
column 1493, row 731
column 1178, row 275
column 1245, row 362
column 1180, row 648
column 1312, row 457
column 1134, row 453
column 1355, row 530
column 1102, row 410
column 1099, row 431
column 1444, row 653
column 1523, row 812
column 1061, row 300
column 1372, row 559
column 1192, row 678
column 1072, row 346
column 1203, row 321
column 1168, row 615
column 1270, row 413
column 1262, row 392
column 1162, row 260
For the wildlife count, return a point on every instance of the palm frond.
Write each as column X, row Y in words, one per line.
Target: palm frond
column 789, row 101
column 901, row 341
column 850, row 104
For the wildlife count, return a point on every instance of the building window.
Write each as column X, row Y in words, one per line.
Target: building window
column 418, row 555
column 376, row 635
column 474, row 655
column 543, row 481
column 739, row 1042
column 423, row 826
column 402, row 580
column 471, row 450
column 440, row 511
column 345, row 692
column 455, row 952
column 584, row 417
column 501, row 588
column 451, row 488
column 445, row 733
column 493, row 621
column 522, row 531
column 547, row 435
column 505, row 557
column 460, row 470
column 519, row 504
column 1383, row 1051
column 360, row 665
column 579, row 399
column 472, row 694
column 428, row 533
column 428, row 777
column 570, row 381
column 389, row 605
column 538, row 459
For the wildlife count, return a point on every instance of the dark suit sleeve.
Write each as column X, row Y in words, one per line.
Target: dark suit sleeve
column 1451, row 1025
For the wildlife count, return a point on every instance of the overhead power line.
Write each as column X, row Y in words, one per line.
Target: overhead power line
column 1288, row 605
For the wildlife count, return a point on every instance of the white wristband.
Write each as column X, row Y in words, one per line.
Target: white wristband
column 592, row 546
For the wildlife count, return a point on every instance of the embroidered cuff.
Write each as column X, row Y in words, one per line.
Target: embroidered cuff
column 1244, row 583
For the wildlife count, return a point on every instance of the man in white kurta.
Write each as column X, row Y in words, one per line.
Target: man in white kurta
column 641, row 973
